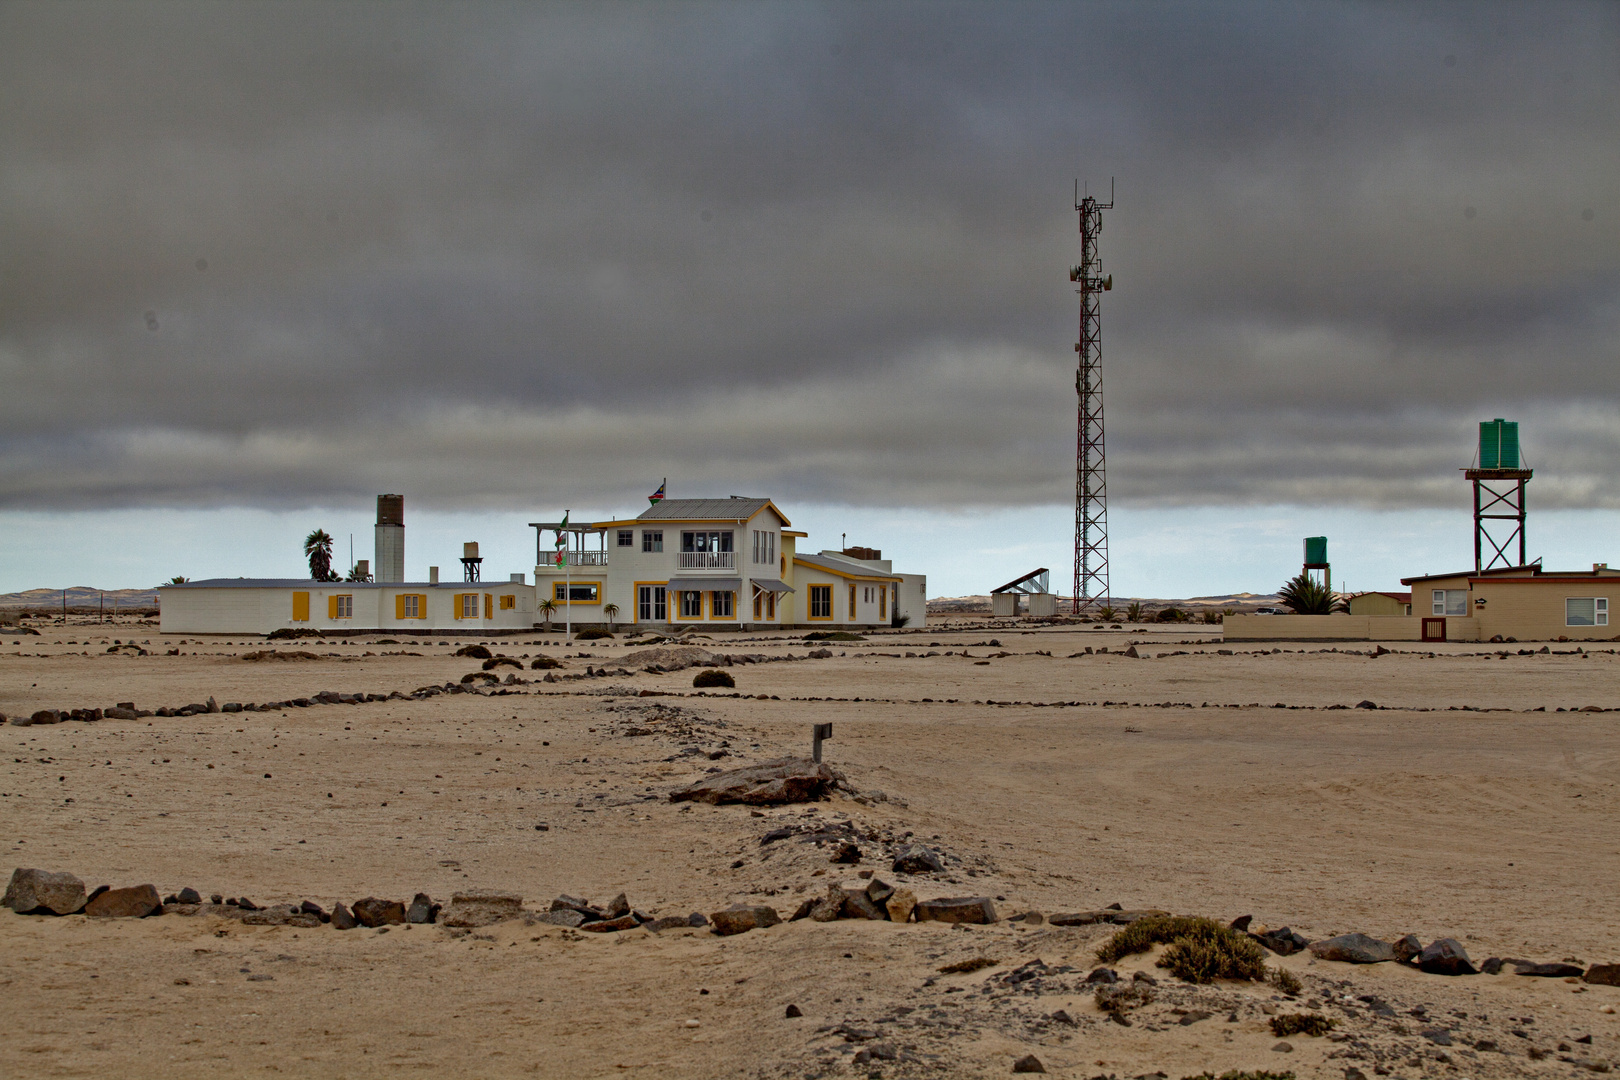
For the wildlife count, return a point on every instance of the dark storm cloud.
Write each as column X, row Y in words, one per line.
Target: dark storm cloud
column 491, row 254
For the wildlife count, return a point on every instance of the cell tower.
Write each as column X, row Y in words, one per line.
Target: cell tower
column 1090, row 472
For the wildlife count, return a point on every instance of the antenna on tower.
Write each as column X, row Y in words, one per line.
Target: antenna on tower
column 1090, row 472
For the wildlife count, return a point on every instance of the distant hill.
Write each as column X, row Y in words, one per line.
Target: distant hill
column 79, row 597
column 1239, row 602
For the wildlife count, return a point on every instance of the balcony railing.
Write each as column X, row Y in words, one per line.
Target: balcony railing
column 706, row 560
column 575, row 558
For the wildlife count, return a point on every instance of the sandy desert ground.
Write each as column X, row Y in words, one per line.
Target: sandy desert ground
column 1466, row 805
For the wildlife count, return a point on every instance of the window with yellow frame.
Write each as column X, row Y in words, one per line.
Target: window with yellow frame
column 578, row 592
column 820, row 602
column 508, row 602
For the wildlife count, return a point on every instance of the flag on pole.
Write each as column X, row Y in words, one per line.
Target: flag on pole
column 658, row 496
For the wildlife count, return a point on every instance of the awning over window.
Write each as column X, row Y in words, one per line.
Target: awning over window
column 772, row 585
column 705, row 584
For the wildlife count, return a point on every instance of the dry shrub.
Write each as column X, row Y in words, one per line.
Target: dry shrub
column 542, row 663
column 961, row 967
column 1200, row 949
column 1300, row 1024
column 1286, row 981
column 272, row 654
column 713, row 677
column 1243, row 1074
column 477, row 652
column 1120, row 998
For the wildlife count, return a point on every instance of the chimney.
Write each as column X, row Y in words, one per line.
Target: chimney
column 390, row 538
column 433, row 575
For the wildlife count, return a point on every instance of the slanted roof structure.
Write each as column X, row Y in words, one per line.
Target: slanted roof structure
column 732, row 509
column 1036, row 581
column 845, row 568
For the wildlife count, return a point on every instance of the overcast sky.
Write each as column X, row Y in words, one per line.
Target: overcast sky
column 512, row 256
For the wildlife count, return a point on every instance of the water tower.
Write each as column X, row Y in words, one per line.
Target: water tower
column 1316, row 559
column 1499, row 484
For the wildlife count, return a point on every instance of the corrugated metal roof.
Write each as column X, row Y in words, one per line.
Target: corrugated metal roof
column 704, row 509
column 843, row 568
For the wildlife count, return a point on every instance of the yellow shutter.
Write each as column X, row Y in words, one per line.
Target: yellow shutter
column 331, row 607
column 456, row 604
column 399, row 607
column 300, row 612
column 489, row 606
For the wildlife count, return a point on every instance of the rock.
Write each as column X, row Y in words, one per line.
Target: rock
column 1492, row 966
column 562, row 917
column 673, row 658
column 281, row 915
column 118, row 712
column 1284, row 1048
column 672, row 922
column 847, row 854
column 46, row 716
column 1194, row 1017
column 917, row 859
column 135, row 902
column 246, row 905
column 310, row 907
column 564, row 902
column 819, row 654
column 43, row 892
column 957, row 909
column 1284, row 942
column 618, row 907
column 1364, row 704
column 806, row 906
column 1407, row 948
column 422, row 909
column 1077, row 918
column 792, row 1012
column 1603, row 975
column 785, row 780
column 1029, row 1063
column 342, row 918
column 1353, row 949
column 697, row 918
column 1446, row 957
column 878, row 891
column 483, row 907
column 373, row 912
column 740, row 918
column 857, row 905
column 19, row 720
column 1034, row 918
column 1438, row 1036
column 1062, row 1017
column 1241, row 923
column 829, row 907
column 900, row 905
column 188, row 895
column 1549, row 971
column 608, row 926
column 1103, row 975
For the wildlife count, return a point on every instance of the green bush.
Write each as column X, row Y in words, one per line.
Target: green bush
column 713, row 677
column 1300, row 1024
column 593, row 633
column 1199, row 949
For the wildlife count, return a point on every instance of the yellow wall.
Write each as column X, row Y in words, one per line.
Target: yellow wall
column 1376, row 604
column 1533, row 610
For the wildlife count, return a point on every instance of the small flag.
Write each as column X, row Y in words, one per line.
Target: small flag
column 562, row 557
column 561, row 540
column 658, row 496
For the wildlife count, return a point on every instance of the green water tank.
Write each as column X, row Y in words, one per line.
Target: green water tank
column 1316, row 551
column 1499, row 444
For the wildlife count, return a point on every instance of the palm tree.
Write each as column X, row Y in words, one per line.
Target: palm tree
column 1134, row 612
column 612, row 612
column 318, row 549
column 548, row 608
column 1305, row 596
column 178, row 580
column 1107, row 613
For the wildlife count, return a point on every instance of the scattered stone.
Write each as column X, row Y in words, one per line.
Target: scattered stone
column 422, row 909
column 792, row 1012
column 1034, row 918
column 372, row 912
column 1029, row 1063
column 562, row 917
column 1446, row 957
column 1353, row 949
column 43, row 892
column 1408, row 948
column 484, row 907
column 618, row 907
column 608, row 926
column 671, row 922
column 697, row 918
column 740, row 918
column 1438, row 1036
column 1548, row 971
column 917, row 859
column 785, row 780
column 1194, row 1017
column 958, row 909
column 188, row 895
column 902, row 902
column 1603, row 975
column 342, row 918
column 1241, row 923
column 1283, row 942
column 564, row 902
column 1284, row 1048
column 1103, row 975
column 967, row 967
column 135, row 902
column 1062, row 1017
column 46, row 716
column 1492, row 966
column 847, row 854
column 310, row 907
